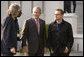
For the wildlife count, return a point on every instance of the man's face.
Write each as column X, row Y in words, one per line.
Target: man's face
column 20, row 13
column 58, row 15
column 36, row 13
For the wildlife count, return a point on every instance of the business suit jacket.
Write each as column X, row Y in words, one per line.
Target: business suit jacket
column 58, row 40
column 35, row 41
column 8, row 35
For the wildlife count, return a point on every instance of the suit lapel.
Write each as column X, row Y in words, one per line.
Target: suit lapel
column 40, row 25
column 34, row 25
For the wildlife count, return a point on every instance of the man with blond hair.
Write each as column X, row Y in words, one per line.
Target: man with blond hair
column 9, row 30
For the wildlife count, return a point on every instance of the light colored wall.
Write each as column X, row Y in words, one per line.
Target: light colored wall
column 26, row 12
column 78, row 43
column 50, row 7
column 4, row 7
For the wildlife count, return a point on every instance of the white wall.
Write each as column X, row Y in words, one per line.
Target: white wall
column 26, row 12
column 14, row 2
column 78, row 43
column 4, row 8
column 50, row 7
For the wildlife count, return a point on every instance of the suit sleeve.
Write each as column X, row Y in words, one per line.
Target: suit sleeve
column 49, row 40
column 13, row 36
column 24, row 33
column 10, row 34
column 44, row 35
column 70, row 39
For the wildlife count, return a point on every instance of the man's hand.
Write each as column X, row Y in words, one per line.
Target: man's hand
column 51, row 51
column 66, row 50
column 45, row 50
column 12, row 50
column 25, row 50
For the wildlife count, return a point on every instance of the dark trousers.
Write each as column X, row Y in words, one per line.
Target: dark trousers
column 36, row 54
column 59, row 54
column 7, row 54
column 40, row 52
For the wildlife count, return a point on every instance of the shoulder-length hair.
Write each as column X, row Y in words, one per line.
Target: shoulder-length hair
column 13, row 8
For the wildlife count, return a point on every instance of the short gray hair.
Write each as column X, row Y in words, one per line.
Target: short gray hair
column 37, row 8
column 13, row 8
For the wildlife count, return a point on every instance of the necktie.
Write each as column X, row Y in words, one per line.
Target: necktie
column 37, row 24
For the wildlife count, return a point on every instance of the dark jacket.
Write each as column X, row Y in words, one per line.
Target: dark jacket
column 35, row 40
column 59, row 39
column 8, row 35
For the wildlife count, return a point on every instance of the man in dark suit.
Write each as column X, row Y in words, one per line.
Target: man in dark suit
column 60, row 36
column 34, row 33
column 9, row 31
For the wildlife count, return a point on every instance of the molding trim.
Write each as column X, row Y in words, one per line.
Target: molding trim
column 31, row 6
column 8, row 4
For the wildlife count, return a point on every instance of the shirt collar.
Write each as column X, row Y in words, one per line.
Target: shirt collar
column 62, row 21
column 36, row 20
